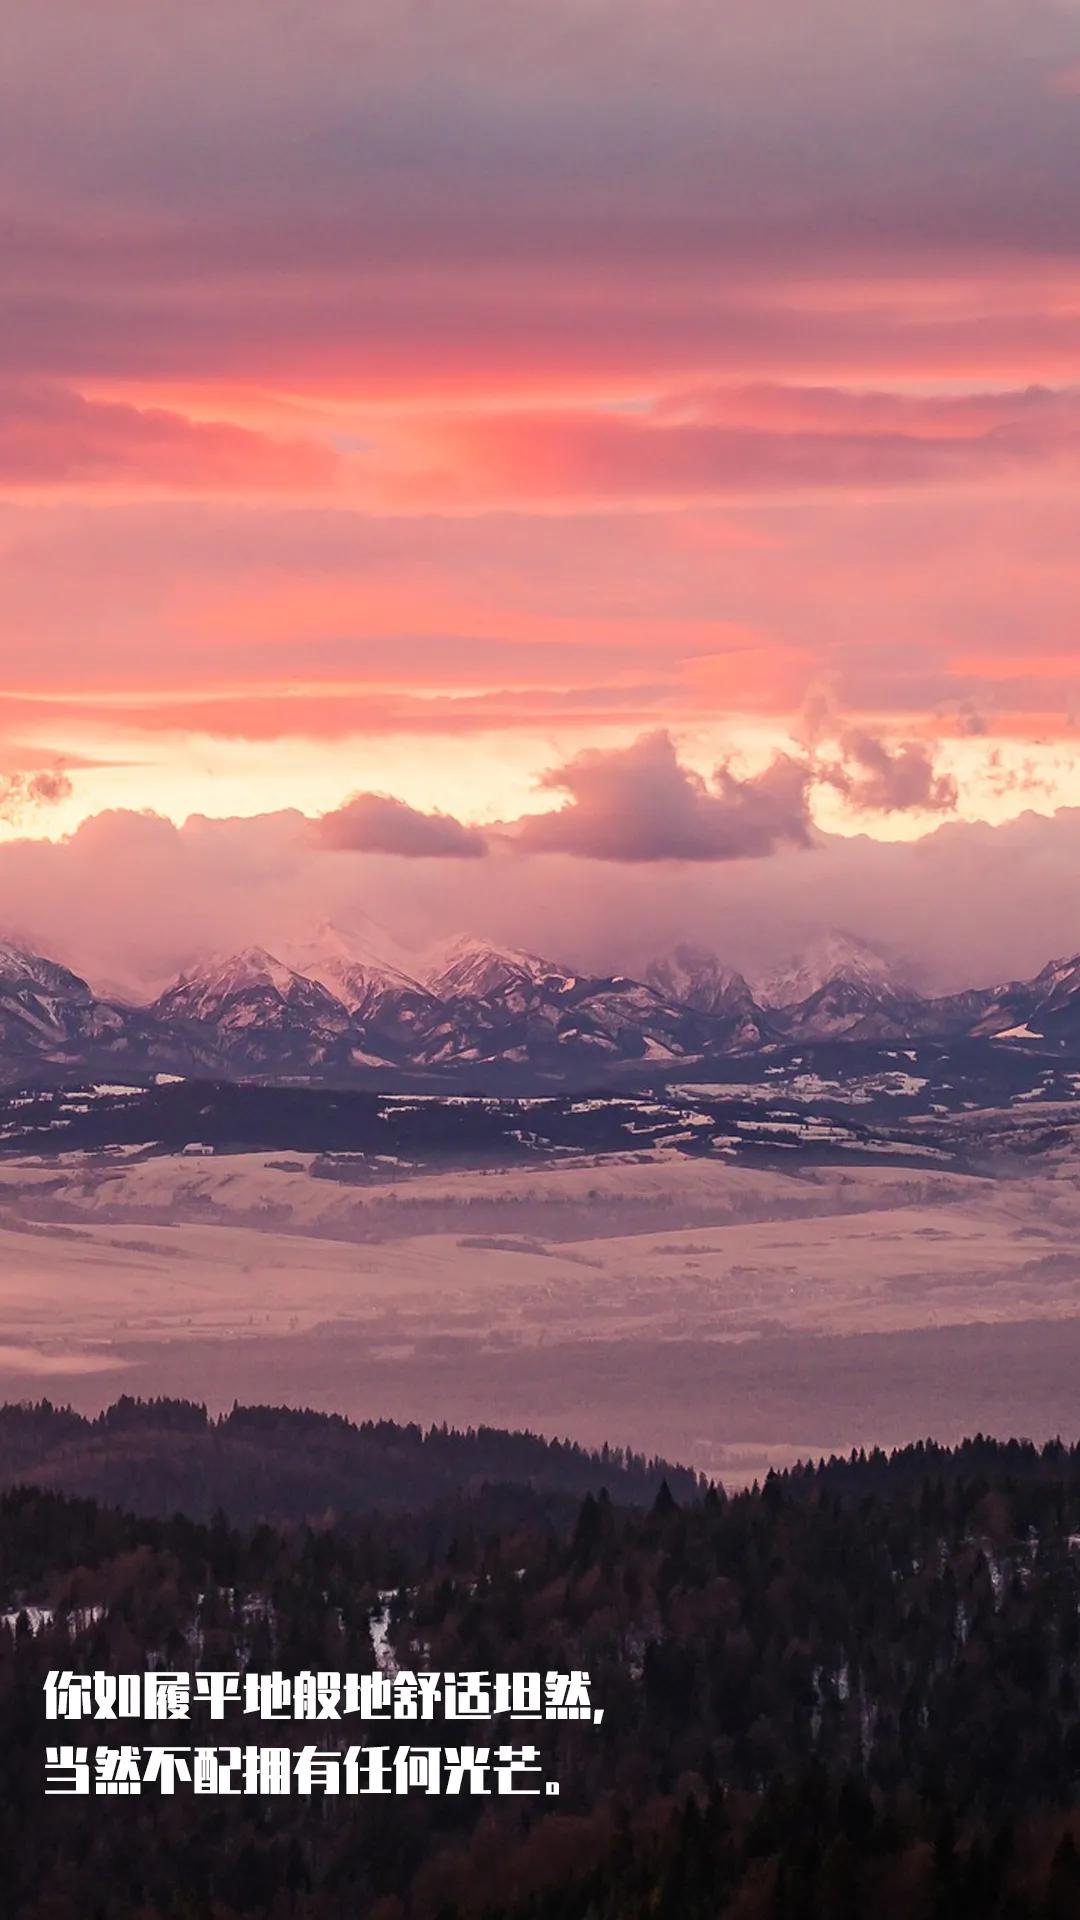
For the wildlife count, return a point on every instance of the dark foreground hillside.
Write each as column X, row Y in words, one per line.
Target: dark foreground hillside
column 288, row 1464
column 851, row 1692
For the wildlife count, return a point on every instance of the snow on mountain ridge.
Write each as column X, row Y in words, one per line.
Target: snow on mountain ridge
column 248, row 966
column 832, row 956
column 697, row 978
column 336, row 1004
column 21, row 965
column 345, row 964
column 1059, row 978
column 470, row 968
column 244, row 987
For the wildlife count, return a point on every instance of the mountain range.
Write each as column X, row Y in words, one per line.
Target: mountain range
column 332, row 1011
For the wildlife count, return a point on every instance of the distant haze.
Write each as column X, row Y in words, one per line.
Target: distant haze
column 129, row 900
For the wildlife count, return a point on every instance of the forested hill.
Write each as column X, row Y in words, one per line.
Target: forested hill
column 850, row 1694
column 284, row 1464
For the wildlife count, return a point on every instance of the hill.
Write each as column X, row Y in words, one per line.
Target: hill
column 283, row 1464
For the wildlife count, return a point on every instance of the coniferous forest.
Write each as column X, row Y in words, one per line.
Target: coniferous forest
column 854, row 1690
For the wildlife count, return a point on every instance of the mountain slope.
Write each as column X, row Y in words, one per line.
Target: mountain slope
column 694, row 977
column 256, row 1012
column 340, row 1011
column 474, row 969
column 830, row 957
column 49, row 1014
column 501, row 1003
column 1046, row 1008
column 393, row 1013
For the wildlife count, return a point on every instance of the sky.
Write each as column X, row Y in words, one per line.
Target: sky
column 552, row 465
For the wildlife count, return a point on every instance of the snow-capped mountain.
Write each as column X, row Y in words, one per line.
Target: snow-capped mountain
column 694, row 977
column 50, row 1014
column 1046, row 1008
column 830, row 957
column 505, row 1003
column 395, row 1016
column 21, row 969
column 251, row 984
column 474, row 969
column 512, row 1004
column 257, row 1010
column 630, row 1019
column 334, row 1009
column 839, row 987
column 349, row 967
column 848, row 1009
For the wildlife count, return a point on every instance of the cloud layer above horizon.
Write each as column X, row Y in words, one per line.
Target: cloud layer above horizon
column 130, row 900
column 610, row 434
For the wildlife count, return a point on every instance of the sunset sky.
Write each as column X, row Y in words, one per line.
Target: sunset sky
column 616, row 437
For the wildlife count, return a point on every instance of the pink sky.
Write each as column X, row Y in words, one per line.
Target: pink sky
column 661, row 417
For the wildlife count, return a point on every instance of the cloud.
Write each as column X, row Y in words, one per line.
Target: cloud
column 53, row 436
column 965, row 719
column 377, row 823
column 129, row 899
column 24, row 794
column 423, row 196
column 639, row 803
column 749, row 440
column 936, row 417
column 1065, row 81
column 872, row 775
column 755, row 440
column 877, row 778
column 479, row 251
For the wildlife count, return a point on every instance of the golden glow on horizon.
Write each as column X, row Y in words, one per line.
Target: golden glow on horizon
column 487, row 779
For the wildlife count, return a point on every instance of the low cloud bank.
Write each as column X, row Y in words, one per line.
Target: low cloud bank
column 641, row 804
column 129, row 899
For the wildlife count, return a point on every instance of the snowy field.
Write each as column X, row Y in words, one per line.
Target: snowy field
column 726, row 1315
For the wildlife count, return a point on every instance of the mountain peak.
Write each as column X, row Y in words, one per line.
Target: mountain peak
column 832, row 956
column 347, row 964
column 252, row 975
column 20, row 965
column 698, row 978
column 264, row 1012
column 1059, row 977
column 249, row 966
column 471, row 968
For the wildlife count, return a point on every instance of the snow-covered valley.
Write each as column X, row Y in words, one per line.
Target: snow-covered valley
column 731, row 1314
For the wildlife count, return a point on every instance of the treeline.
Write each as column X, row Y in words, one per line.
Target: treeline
column 286, row 1464
column 852, row 1691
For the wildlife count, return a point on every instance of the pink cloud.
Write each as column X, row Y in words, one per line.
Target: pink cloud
column 639, row 803
column 757, row 440
column 607, row 445
column 878, row 778
column 477, row 200
column 51, row 436
column 24, row 794
column 131, row 899
column 378, row 823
